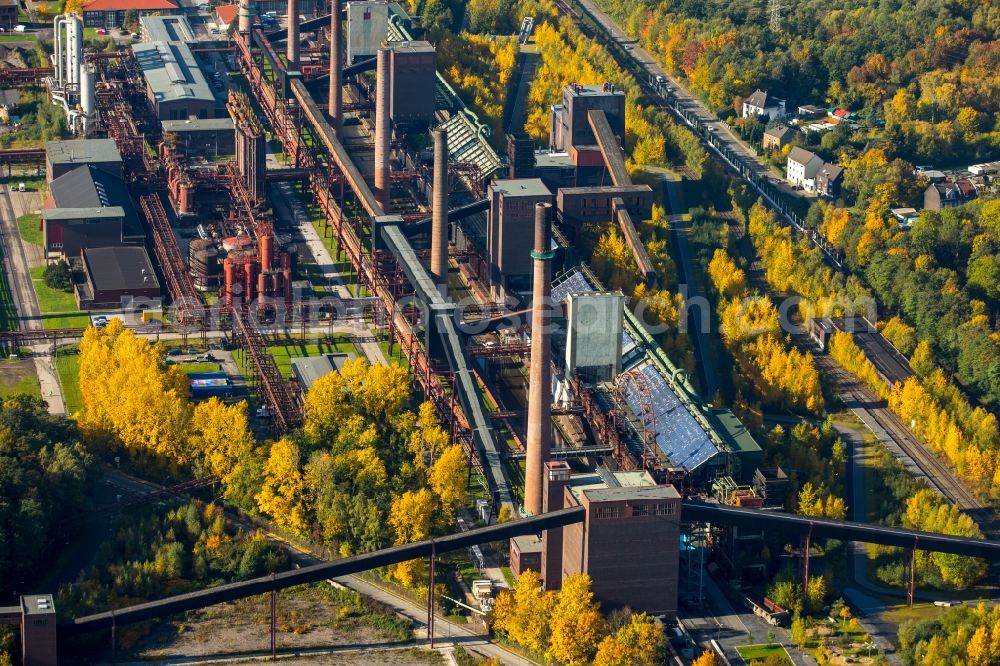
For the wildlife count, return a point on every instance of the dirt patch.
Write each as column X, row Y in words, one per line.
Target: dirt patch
column 399, row 657
column 18, row 377
column 305, row 619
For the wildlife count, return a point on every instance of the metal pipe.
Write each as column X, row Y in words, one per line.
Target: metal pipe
column 293, row 35
column 383, row 131
column 439, row 212
column 336, row 70
column 539, row 439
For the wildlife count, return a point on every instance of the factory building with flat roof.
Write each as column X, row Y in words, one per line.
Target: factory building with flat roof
column 510, row 229
column 64, row 156
column 114, row 277
column 175, row 85
column 629, row 542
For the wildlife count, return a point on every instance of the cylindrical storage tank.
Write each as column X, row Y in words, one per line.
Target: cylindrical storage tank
column 203, row 264
column 250, row 277
column 74, row 48
column 87, row 90
column 185, row 198
column 262, row 285
column 230, row 269
column 266, row 252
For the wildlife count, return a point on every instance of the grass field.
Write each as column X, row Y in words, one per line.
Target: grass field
column 284, row 353
column 58, row 307
column 18, row 377
column 68, row 365
column 31, row 228
column 188, row 368
column 762, row 652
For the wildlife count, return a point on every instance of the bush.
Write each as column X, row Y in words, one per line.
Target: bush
column 58, row 276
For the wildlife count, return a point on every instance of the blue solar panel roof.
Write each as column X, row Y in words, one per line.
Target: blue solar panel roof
column 678, row 434
column 576, row 283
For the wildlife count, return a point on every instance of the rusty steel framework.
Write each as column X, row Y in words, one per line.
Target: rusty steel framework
column 284, row 396
column 636, row 383
column 286, row 105
column 11, row 76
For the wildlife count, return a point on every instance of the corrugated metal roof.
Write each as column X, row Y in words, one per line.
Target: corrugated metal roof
column 172, row 71
column 468, row 142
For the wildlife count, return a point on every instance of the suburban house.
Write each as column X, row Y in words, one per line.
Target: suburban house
column 802, row 168
column 828, row 180
column 778, row 137
column 762, row 104
column 8, row 14
column 111, row 13
column 225, row 15
column 947, row 194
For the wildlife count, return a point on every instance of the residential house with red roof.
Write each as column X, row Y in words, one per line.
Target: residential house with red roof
column 111, row 13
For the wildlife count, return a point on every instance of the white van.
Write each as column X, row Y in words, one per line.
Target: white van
column 20, row 187
column 20, row 28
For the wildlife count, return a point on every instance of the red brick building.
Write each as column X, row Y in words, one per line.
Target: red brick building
column 8, row 14
column 629, row 543
column 111, row 13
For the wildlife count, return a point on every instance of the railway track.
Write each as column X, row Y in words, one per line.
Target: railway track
column 26, row 314
column 873, row 412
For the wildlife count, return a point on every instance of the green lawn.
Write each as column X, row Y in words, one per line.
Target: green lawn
column 54, row 301
column 283, row 353
column 31, row 228
column 397, row 355
column 65, row 320
column 751, row 652
column 68, row 365
column 188, row 368
column 18, row 37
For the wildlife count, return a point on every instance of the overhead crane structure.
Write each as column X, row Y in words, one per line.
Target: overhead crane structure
column 290, row 109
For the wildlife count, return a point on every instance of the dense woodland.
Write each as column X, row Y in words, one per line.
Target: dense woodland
column 362, row 461
column 923, row 77
column 568, row 627
column 962, row 636
column 44, row 475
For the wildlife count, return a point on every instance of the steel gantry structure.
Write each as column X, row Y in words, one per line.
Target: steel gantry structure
column 446, row 379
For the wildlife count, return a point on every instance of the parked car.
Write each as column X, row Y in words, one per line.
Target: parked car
column 100, row 321
column 20, row 28
column 101, row 31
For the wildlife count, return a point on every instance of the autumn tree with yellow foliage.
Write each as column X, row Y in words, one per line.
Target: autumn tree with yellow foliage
column 131, row 396
column 780, row 374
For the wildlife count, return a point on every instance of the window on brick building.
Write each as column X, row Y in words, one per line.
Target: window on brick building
column 606, row 512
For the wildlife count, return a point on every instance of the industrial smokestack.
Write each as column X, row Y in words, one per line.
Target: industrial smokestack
column 293, row 35
column 246, row 16
column 539, row 379
column 336, row 70
column 383, row 131
column 439, row 212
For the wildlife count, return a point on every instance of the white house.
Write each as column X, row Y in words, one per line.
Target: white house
column 802, row 168
column 762, row 104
